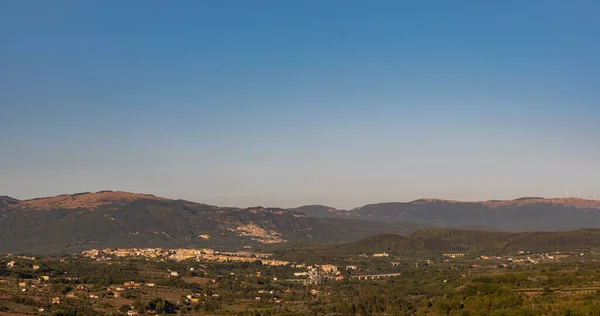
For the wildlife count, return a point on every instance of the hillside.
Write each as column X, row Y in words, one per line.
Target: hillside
column 7, row 200
column 525, row 214
column 71, row 223
column 319, row 211
column 85, row 200
column 438, row 241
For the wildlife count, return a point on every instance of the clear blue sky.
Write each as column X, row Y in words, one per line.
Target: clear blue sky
column 284, row 103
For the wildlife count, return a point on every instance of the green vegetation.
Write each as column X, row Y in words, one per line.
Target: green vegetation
column 169, row 224
column 432, row 243
column 427, row 284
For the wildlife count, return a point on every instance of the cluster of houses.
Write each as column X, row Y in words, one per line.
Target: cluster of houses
column 180, row 254
column 316, row 273
column 196, row 297
column 453, row 255
column 526, row 257
column 33, row 283
column 537, row 258
column 13, row 264
column 112, row 291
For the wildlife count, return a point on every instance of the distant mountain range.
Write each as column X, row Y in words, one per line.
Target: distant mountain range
column 524, row 214
column 71, row 223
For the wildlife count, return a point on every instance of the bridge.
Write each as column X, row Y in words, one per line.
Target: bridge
column 375, row 276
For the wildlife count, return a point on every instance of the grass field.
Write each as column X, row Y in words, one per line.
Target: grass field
column 199, row 280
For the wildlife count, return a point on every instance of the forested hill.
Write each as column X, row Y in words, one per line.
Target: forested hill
column 524, row 214
column 71, row 223
column 439, row 241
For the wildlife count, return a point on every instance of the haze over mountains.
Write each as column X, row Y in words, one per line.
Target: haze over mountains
column 70, row 223
column 524, row 214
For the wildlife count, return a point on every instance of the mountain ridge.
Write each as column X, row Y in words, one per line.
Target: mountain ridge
column 86, row 200
column 71, row 223
column 99, row 198
column 522, row 214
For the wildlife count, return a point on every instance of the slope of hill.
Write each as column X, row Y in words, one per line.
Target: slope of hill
column 525, row 214
column 438, row 241
column 319, row 211
column 71, row 223
column 85, row 200
column 7, row 200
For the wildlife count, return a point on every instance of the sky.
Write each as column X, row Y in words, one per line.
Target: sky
column 285, row 103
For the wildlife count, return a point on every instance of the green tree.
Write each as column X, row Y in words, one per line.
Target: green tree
column 124, row 308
